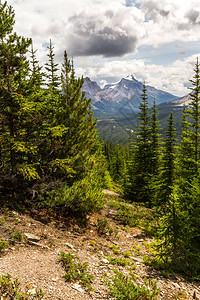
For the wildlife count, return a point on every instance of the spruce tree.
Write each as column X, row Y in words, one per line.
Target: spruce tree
column 155, row 140
column 168, row 171
column 194, row 114
column 186, row 160
column 141, row 185
column 36, row 76
column 52, row 69
column 13, row 87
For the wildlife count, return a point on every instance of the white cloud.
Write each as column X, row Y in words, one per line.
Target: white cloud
column 173, row 78
column 114, row 28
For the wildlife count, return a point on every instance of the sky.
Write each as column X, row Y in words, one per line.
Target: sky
column 156, row 41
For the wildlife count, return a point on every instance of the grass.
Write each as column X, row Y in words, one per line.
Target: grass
column 3, row 245
column 75, row 271
column 118, row 261
column 11, row 290
column 136, row 215
column 124, row 288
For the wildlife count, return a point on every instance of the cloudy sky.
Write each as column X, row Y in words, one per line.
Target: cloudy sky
column 156, row 41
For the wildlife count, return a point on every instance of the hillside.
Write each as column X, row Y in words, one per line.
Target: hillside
column 109, row 242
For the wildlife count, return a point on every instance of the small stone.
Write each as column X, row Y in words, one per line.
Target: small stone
column 70, row 246
column 141, row 240
column 32, row 237
column 137, row 259
column 78, row 287
column 105, row 261
column 176, row 285
column 32, row 291
column 115, row 243
column 55, row 279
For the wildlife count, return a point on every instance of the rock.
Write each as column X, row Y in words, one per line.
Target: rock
column 70, row 246
column 37, row 244
column 176, row 285
column 110, row 192
column 114, row 243
column 32, row 237
column 32, row 291
column 78, row 287
column 104, row 261
column 137, row 259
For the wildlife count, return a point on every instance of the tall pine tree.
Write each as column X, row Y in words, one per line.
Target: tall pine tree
column 168, row 171
column 141, row 184
column 194, row 114
column 13, row 87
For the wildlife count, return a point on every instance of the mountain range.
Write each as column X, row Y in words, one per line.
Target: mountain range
column 122, row 97
column 116, row 106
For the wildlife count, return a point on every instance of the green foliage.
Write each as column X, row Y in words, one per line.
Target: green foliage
column 48, row 137
column 12, row 290
column 3, row 245
column 107, row 181
column 139, row 178
column 123, row 288
column 118, row 261
column 117, row 155
column 144, row 155
column 136, row 215
column 52, row 68
column 75, row 271
column 155, row 141
column 17, row 236
column 79, row 200
column 127, row 254
column 194, row 113
column 103, row 226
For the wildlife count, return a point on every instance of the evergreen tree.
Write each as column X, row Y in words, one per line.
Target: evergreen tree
column 36, row 76
column 155, row 140
column 186, row 157
column 168, row 171
column 194, row 114
column 13, row 74
column 141, row 185
column 117, row 157
column 52, row 69
column 79, row 131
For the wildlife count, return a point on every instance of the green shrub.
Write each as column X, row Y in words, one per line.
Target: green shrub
column 103, row 226
column 118, row 261
column 17, row 236
column 80, row 200
column 3, row 244
column 107, row 181
column 92, row 243
column 123, row 288
column 75, row 271
column 11, row 290
column 127, row 254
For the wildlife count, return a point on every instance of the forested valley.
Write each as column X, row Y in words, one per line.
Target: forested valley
column 52, row 160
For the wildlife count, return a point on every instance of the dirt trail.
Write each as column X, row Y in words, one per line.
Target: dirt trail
column 40, row 267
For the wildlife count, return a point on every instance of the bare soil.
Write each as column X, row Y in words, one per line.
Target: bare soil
column 38, row 264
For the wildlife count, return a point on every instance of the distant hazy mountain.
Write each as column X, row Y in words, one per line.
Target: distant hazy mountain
column 181, row 101
column 122, row 97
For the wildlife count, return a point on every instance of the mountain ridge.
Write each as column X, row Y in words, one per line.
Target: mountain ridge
column 123, row 96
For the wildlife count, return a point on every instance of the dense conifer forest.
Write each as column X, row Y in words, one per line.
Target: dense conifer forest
column 51, row 156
